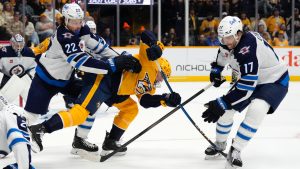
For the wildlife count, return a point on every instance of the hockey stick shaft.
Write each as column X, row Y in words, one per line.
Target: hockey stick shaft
column 185, row 112
column 104, row 158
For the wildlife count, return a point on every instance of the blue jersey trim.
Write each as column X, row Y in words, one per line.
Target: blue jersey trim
column 105, row 46
column 285, row 81
column 71, row 57
column 243, row 87
column 43, row 76
column 222, row 103
column 247, row 77
column 81, row 61
column 10, row 131
column 15, row 141
column 97, row 45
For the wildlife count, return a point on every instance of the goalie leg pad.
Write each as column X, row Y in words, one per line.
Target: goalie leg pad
column 73, row 117
column 12, row 89
column 26, row 85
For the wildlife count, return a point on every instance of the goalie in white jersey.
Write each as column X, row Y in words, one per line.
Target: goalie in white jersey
column 14, row 137
column 262, row 85
column 17, row 63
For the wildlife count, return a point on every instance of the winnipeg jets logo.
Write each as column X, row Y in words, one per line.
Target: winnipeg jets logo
column 244, row 50
column 144, row 85
column 16, row 70
column 68, row 35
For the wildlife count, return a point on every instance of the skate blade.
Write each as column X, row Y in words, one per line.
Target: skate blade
column 91, row 156
column 214, row 157
column 76, row 151
column 105, row 152
column 230, row 166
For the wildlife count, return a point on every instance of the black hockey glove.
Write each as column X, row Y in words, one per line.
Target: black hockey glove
column 216, row 108
column 125, row 62
column 215, row 74
column 154, row 52
column 171, row 99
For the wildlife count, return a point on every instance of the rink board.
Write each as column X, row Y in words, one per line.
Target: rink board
column 193, row 63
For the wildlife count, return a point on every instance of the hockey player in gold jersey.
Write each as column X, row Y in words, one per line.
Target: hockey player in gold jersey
column 115, row 89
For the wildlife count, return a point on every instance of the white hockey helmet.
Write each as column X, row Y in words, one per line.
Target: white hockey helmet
column 72, row 11
column 17, row 42
column 92, row 26
column 229, row 26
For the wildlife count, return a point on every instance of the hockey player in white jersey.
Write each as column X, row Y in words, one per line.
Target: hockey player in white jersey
column 80, row 145
column 14, row 137
column 262, row 85
column 17, row 64
column 56, row 68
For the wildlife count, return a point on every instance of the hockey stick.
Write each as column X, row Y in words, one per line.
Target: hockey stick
column 104, row 158
column 181, row 107
column 185, row 112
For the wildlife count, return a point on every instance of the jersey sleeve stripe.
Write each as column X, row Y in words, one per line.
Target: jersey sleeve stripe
column 244, row 87
column 247, row 83
column 103, row 48
column 99, row 42
column 10, row 131
column 81, row 61
column 249, row 77
column 15, row 141
column 71, row 57
column 54, row 82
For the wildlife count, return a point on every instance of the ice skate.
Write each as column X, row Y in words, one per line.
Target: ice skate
column 233, row 159
column 212, row 153
column 110, row 145
column 81, row 146
column 36, row 133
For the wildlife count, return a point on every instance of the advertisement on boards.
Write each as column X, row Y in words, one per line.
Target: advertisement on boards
column 193, row 63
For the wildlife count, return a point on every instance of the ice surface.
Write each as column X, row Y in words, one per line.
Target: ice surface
column 175, row 143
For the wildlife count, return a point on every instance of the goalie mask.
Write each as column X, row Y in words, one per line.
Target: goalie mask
column 17, row 42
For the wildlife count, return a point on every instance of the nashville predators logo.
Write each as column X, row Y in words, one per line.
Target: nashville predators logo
column 144, row 85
